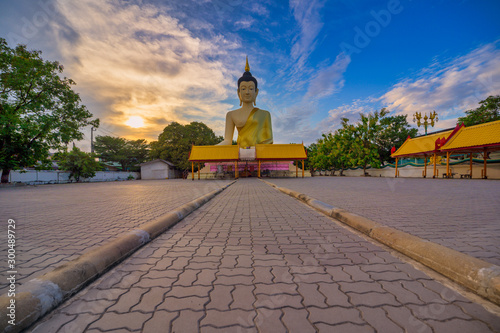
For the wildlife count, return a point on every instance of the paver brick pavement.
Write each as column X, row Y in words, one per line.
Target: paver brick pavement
column 461, row 214
column 57, row 223
column 368, row 290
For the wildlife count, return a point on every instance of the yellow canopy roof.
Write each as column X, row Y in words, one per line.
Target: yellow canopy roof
column 270, row 152
column 214, row 153
column 477, row 136
column 420, row 145
column 276, row 152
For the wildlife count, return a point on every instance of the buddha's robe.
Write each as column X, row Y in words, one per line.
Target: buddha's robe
column 257, row 129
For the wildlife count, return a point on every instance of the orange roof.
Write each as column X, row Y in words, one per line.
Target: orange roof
column 477, row 136
column 276, row 152
column 420, row 145
column 214, row 153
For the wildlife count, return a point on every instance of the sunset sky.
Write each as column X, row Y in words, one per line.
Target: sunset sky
column 141, row 64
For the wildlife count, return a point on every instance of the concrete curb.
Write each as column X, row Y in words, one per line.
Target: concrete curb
column 40, row 295
column 475, row 274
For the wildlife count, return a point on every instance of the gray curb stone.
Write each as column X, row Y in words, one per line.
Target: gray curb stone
column 38, row 296
column 480, row 276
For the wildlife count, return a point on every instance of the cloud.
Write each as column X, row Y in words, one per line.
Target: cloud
column 329, row 80
column 307, row 15
column 322, row 81
column 140, row 61
column 450, row 88
column 259, row 9
column 350, row 111
column 245, row 23
column 294, row 122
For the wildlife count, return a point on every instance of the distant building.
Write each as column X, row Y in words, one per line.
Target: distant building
column 159, row 169
column 111, row 166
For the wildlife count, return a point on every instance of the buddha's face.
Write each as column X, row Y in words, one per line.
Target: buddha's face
column 247, row 92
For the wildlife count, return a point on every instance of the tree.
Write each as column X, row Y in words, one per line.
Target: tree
column 393, row 132
column 39, row 110
column 345, row 155
column 129, row 153
column 79, row 163
column 138, row 152
column 327, row 153
column 311, row 152
column 488, row 111
column 174, row 143
column 367, row 142
column 335, row 150
column 319, row 158
column 366, row 131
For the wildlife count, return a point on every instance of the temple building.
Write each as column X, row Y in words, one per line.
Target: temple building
column 482, row 139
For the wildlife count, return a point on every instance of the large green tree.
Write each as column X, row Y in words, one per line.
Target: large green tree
column 327, row 157
column 392, row 132
column 317, row 159
column 344, row 138
column 129, row 153
column 80, row 164
column 365, row 150
column 336, row 151
column 311, row 152
column 174, row 144
column 39, row 110
column 322, row 159
column 367, row 142
column 488, row 111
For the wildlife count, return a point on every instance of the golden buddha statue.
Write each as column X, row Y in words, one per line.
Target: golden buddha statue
column 253, row 124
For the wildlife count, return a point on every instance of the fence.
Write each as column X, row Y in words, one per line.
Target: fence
column 414, row 170
column 57, row 177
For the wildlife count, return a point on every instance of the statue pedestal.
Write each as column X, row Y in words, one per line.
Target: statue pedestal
column 247, row 154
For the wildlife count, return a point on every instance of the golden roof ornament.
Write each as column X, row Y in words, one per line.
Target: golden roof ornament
column 432, row 117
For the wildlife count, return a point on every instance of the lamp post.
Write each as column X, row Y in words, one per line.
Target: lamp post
column 428, row 120
column 92, row 130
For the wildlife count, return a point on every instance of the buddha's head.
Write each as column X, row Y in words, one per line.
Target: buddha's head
column 247, row 86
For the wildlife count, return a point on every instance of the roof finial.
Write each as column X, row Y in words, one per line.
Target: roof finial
column 247, row 67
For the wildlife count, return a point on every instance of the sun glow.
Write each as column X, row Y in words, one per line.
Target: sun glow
column 135, row 122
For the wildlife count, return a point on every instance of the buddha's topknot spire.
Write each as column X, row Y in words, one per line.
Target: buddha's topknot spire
column 247, row 76
column 247, row 67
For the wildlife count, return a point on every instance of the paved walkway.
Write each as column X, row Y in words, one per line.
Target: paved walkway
column 57, row 223
column 461, row 214
column 254, row 259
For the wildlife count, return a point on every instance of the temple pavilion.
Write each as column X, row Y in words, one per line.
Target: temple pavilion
column 260, row 156
column 483, row 139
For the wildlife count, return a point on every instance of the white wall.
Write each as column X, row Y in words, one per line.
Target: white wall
column 56, row 177
column 173, row 174
column 156, row 170
column 493, row 171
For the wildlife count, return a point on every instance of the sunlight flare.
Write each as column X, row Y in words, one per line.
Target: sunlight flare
column 135, row 122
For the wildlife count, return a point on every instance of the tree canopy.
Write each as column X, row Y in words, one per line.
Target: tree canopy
column 174, row 143
column 367, row 142
column 488, row 111
column 393, row 132
column 39, row 110
column 365, row 149
column 309, row 164
column 129, row 153
column 80, row 164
